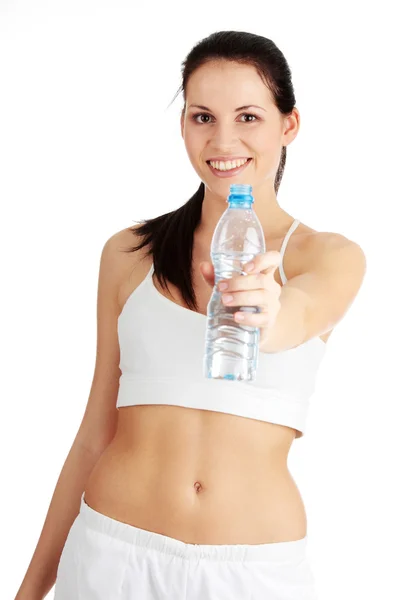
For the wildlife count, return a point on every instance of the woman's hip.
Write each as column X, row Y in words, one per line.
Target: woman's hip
column 104, row 558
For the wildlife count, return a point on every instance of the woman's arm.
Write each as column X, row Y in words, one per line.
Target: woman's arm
column 316, row 299
column 64, row 507
column 97, row 428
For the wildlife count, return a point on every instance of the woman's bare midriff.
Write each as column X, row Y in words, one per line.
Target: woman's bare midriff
column 199, row 476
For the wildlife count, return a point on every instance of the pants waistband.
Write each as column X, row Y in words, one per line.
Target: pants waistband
column 275, row 551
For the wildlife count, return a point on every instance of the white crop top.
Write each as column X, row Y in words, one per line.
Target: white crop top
column 161, row 362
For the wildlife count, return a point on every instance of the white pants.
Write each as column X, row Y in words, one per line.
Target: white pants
column 105, row 559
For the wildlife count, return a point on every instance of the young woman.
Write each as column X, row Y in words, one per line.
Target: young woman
column 175, row 486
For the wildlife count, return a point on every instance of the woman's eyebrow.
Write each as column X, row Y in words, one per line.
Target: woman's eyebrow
column 236, row 110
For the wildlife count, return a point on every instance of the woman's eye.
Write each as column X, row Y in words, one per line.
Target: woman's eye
column 201, row 115
column 249, row 115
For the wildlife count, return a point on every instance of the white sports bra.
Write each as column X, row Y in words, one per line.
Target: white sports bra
column 161, row 362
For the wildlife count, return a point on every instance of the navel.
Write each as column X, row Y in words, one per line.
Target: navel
column 197, row 486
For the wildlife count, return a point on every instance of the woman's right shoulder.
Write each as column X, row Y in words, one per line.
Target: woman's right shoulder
column 116, row 248
column 123, row 267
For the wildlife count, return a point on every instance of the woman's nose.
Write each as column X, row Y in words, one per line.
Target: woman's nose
column 224, row 137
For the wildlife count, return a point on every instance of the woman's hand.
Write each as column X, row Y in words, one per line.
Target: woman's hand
column 258, row 288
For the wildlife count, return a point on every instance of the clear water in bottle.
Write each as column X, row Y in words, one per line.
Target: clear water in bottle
column 231, row 349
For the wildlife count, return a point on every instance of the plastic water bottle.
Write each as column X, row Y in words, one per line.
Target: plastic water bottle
column 231, row 349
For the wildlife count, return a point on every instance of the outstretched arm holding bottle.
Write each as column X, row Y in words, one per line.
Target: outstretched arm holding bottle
column 309, row 304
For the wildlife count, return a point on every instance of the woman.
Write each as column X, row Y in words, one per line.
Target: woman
column 184, row 491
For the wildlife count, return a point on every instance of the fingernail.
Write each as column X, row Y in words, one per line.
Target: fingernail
column 223, row 286
column 249, row 267
column 227, row 298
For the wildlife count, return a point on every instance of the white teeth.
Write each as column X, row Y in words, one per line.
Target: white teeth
column 228, row 165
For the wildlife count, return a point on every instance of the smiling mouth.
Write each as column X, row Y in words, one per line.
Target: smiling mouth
column 228, row 171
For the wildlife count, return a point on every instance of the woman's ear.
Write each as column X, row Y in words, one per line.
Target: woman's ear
column 182, row 122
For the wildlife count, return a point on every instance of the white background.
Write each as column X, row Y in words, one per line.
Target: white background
column 88, row 146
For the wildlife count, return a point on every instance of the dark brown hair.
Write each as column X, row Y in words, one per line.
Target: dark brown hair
column 169, row 237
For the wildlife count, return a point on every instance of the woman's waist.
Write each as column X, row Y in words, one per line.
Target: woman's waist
column 163, row 427
column 222, row 501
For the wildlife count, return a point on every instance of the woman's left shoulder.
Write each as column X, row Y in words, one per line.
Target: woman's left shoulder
column 325, row 244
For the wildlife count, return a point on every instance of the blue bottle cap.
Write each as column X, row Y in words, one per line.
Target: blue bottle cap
column 240, row 195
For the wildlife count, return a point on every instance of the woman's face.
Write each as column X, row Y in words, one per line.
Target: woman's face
column 219, row 129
